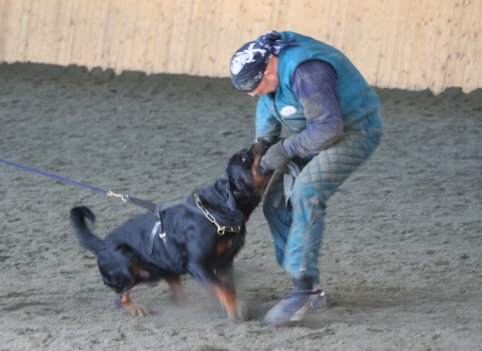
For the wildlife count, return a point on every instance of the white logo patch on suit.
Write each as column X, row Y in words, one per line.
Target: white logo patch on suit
column 288, row 111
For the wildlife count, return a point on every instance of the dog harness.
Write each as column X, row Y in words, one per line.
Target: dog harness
column 158, row 229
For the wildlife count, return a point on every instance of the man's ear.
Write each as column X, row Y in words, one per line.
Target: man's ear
column 272, row 66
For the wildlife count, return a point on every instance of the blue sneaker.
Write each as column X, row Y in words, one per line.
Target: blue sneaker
column 319, row 302
column 294, row 305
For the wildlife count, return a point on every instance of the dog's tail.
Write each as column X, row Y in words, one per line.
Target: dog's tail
column 82, row 231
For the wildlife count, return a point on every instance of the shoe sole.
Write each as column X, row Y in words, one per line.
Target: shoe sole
column 298, row 315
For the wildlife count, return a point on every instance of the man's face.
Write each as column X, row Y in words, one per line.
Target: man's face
column 268, row 84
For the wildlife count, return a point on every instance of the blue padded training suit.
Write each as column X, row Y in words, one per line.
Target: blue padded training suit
column 334, row 116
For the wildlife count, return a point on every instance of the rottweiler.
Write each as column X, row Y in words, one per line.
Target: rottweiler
column 199, row 235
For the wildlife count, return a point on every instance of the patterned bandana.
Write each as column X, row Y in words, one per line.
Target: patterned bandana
column 249, row 62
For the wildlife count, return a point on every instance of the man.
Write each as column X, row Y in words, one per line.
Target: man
column 314, row 91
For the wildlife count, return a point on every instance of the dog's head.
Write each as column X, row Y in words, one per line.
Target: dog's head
column 242, row 185
column 246, row 178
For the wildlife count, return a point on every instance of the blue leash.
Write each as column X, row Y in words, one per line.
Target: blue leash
column 124, row 197
column 53, row 176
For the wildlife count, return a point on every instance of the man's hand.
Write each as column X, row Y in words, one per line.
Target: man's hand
column 275, row 158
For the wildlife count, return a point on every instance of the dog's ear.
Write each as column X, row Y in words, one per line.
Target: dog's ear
column 238, row 186
column 222, row 194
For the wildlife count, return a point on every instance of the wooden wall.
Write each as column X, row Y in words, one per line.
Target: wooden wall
column 409, row 44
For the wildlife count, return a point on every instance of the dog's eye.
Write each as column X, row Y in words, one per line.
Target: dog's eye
column 243, row 158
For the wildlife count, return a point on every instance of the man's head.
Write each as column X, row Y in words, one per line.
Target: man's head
column 248, row 65
column 255, row 60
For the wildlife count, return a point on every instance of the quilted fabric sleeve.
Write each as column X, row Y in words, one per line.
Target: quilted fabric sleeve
column 315, row 85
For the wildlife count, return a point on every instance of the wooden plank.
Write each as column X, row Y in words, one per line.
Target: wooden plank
column 292, row 14
column 91, row 30
column 163, row 35
column 442, row 31
column 114, row 35
column 205, row 37
column 477, row 51
column 71, row 33
column 398, row 71
column 3, row 28
column 48, row 27
column 378, row 43
column 143, row 36
column 258, row 22
column 178, row 47
column 85, row 33
column 95, row 26
column 460, row 41
column 419, row 43
column 76, row 44
column 22, row 15
column 284, row 14
column 63, row 29
column 128, row 33
column 321, row 28
column 473, row 72
column 333, row 25
column 357, row 27
column 199, row 37
column 338, row 16
column 157, row 37
column 226, row 35
column 35, row 32
column 305, row 17
column 386, row 30
column 427, row 57
column 118, row 21
column 455, row 24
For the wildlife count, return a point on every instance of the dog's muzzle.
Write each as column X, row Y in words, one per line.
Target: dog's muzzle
column 259, row 148
column 262, row 171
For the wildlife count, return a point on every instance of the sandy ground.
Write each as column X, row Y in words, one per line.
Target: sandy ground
column 401, row 261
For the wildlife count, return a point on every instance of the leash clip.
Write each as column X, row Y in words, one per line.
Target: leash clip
column 123, row 197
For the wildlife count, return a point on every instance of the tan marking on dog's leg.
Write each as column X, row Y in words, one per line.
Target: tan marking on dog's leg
column 227, row 299
column 125, row 298
column 136, row 310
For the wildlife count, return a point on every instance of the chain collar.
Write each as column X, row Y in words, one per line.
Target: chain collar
column 210, row 217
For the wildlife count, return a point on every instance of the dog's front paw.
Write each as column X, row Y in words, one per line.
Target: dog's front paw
column 138, row 310
column 242, row 310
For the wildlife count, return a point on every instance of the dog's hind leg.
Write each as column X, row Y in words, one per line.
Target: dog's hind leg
column 124, row 300
column 176, row 287
column 120, row 272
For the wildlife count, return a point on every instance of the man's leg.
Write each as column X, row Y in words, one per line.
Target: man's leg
column 278, row 217
column 319, row 179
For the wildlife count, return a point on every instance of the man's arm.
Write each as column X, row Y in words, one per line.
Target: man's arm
column 315, row 85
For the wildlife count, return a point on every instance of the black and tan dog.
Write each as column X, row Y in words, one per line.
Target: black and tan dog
column 199, row 235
